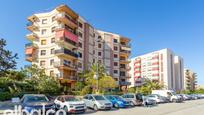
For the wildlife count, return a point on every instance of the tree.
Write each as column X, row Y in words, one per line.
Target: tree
column 7, row 59
column 106, row 83
column 150, row 85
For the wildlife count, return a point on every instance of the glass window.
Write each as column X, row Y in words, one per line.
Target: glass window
column 43, row 42
column 53, row 29
column 52, row 51
column 115, row 63
column 80, row 34
column 80, row 44
column 115, row 40
column 51, row 73
column 99, row 45
column 43, row 31
column 43, row 52
column 80, row 25
column 51, row 61
column 115, row 48
column 115, row 55
column 44, row 21
column 52, row 40
column 99, row 53
column 53, row 18
column 42, row 63
column 115, row 71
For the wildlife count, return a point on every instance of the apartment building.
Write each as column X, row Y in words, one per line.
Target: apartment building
column 65, row 45
column 161, row 66
column 190, row 79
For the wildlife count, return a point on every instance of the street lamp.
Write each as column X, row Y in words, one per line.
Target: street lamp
column 96, row 76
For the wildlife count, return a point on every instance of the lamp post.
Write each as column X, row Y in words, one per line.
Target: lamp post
column 96, row 76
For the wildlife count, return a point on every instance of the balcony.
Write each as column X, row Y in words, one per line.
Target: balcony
column 64, row 33
column 66, row 53
column 123, row 68
column 125, row 46
column 62, row 17
column 66, row 42
column 124, row 83
column 32, row 26
column 67, row 79
column 32, row 36
column 124, row 61
column 67, row 10
column 125, row 53
column 33, row 18
column 65, row 66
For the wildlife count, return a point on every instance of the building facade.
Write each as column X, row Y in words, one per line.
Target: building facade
column 190, row 79
column 65, row 44
column 161, row 66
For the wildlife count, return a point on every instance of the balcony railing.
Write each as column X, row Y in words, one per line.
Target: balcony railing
column 124, row 83
column 66, row 51
column 30, row 45
column 62, row 32
column 124, row 51
column 63, row 63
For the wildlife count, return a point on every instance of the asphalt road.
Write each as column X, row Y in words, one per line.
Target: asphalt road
column 195, row 107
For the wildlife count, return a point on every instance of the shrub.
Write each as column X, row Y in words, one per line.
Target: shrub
column 5, row 96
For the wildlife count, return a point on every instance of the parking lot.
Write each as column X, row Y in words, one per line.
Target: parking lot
column 194, row 107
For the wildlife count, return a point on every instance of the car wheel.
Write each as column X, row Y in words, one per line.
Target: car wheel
column 95, row 108
column 132, row 104
column 174, row 100
column 116, row 105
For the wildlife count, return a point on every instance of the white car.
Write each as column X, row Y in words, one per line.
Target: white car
column 157, row 98
column 70, row 104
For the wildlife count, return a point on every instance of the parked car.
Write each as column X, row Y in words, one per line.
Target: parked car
column 134, row 99
column 70, row 104
column 170, row 94
column 158, row 98
column 30, row 102
column 185, row 97
column 148, row 101
column 117, row 101
column 97, row 102
column 194, row 96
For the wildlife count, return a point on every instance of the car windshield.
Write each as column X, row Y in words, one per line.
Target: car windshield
column 118, row 98
column 71, row 99
column 109, row 97
column 36, row 99
column 98, row 97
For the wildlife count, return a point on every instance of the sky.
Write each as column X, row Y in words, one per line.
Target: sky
column 151, row 24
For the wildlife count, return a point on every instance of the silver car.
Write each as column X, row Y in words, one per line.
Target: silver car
column 158, row 98
column 133, row 99
column 97, row 102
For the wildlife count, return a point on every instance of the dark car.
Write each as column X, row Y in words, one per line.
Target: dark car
column 31, row 102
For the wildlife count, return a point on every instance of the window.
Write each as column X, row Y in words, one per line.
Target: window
column 43, row 42
column 115, row 40
column 53, row 18
column 93, row 51
column 115, row 71
column 99, row 45
column 80, row 54
column 80, row 65
column 80, row 44
column 93, row 60
column 99, row 61
column 42, row 63
column 51, row 61
column 115, row 55
column 43, row 31
column 115, row 48
column 53, row 29
column 52, row 40
column 99, row 53
column 51, row 73
column 80, row 34
column 52, row 51
column 115, row 63
column 80, row 25
column 44, row 21
column 43, row 52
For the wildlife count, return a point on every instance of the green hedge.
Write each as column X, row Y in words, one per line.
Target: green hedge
column 5, row 96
